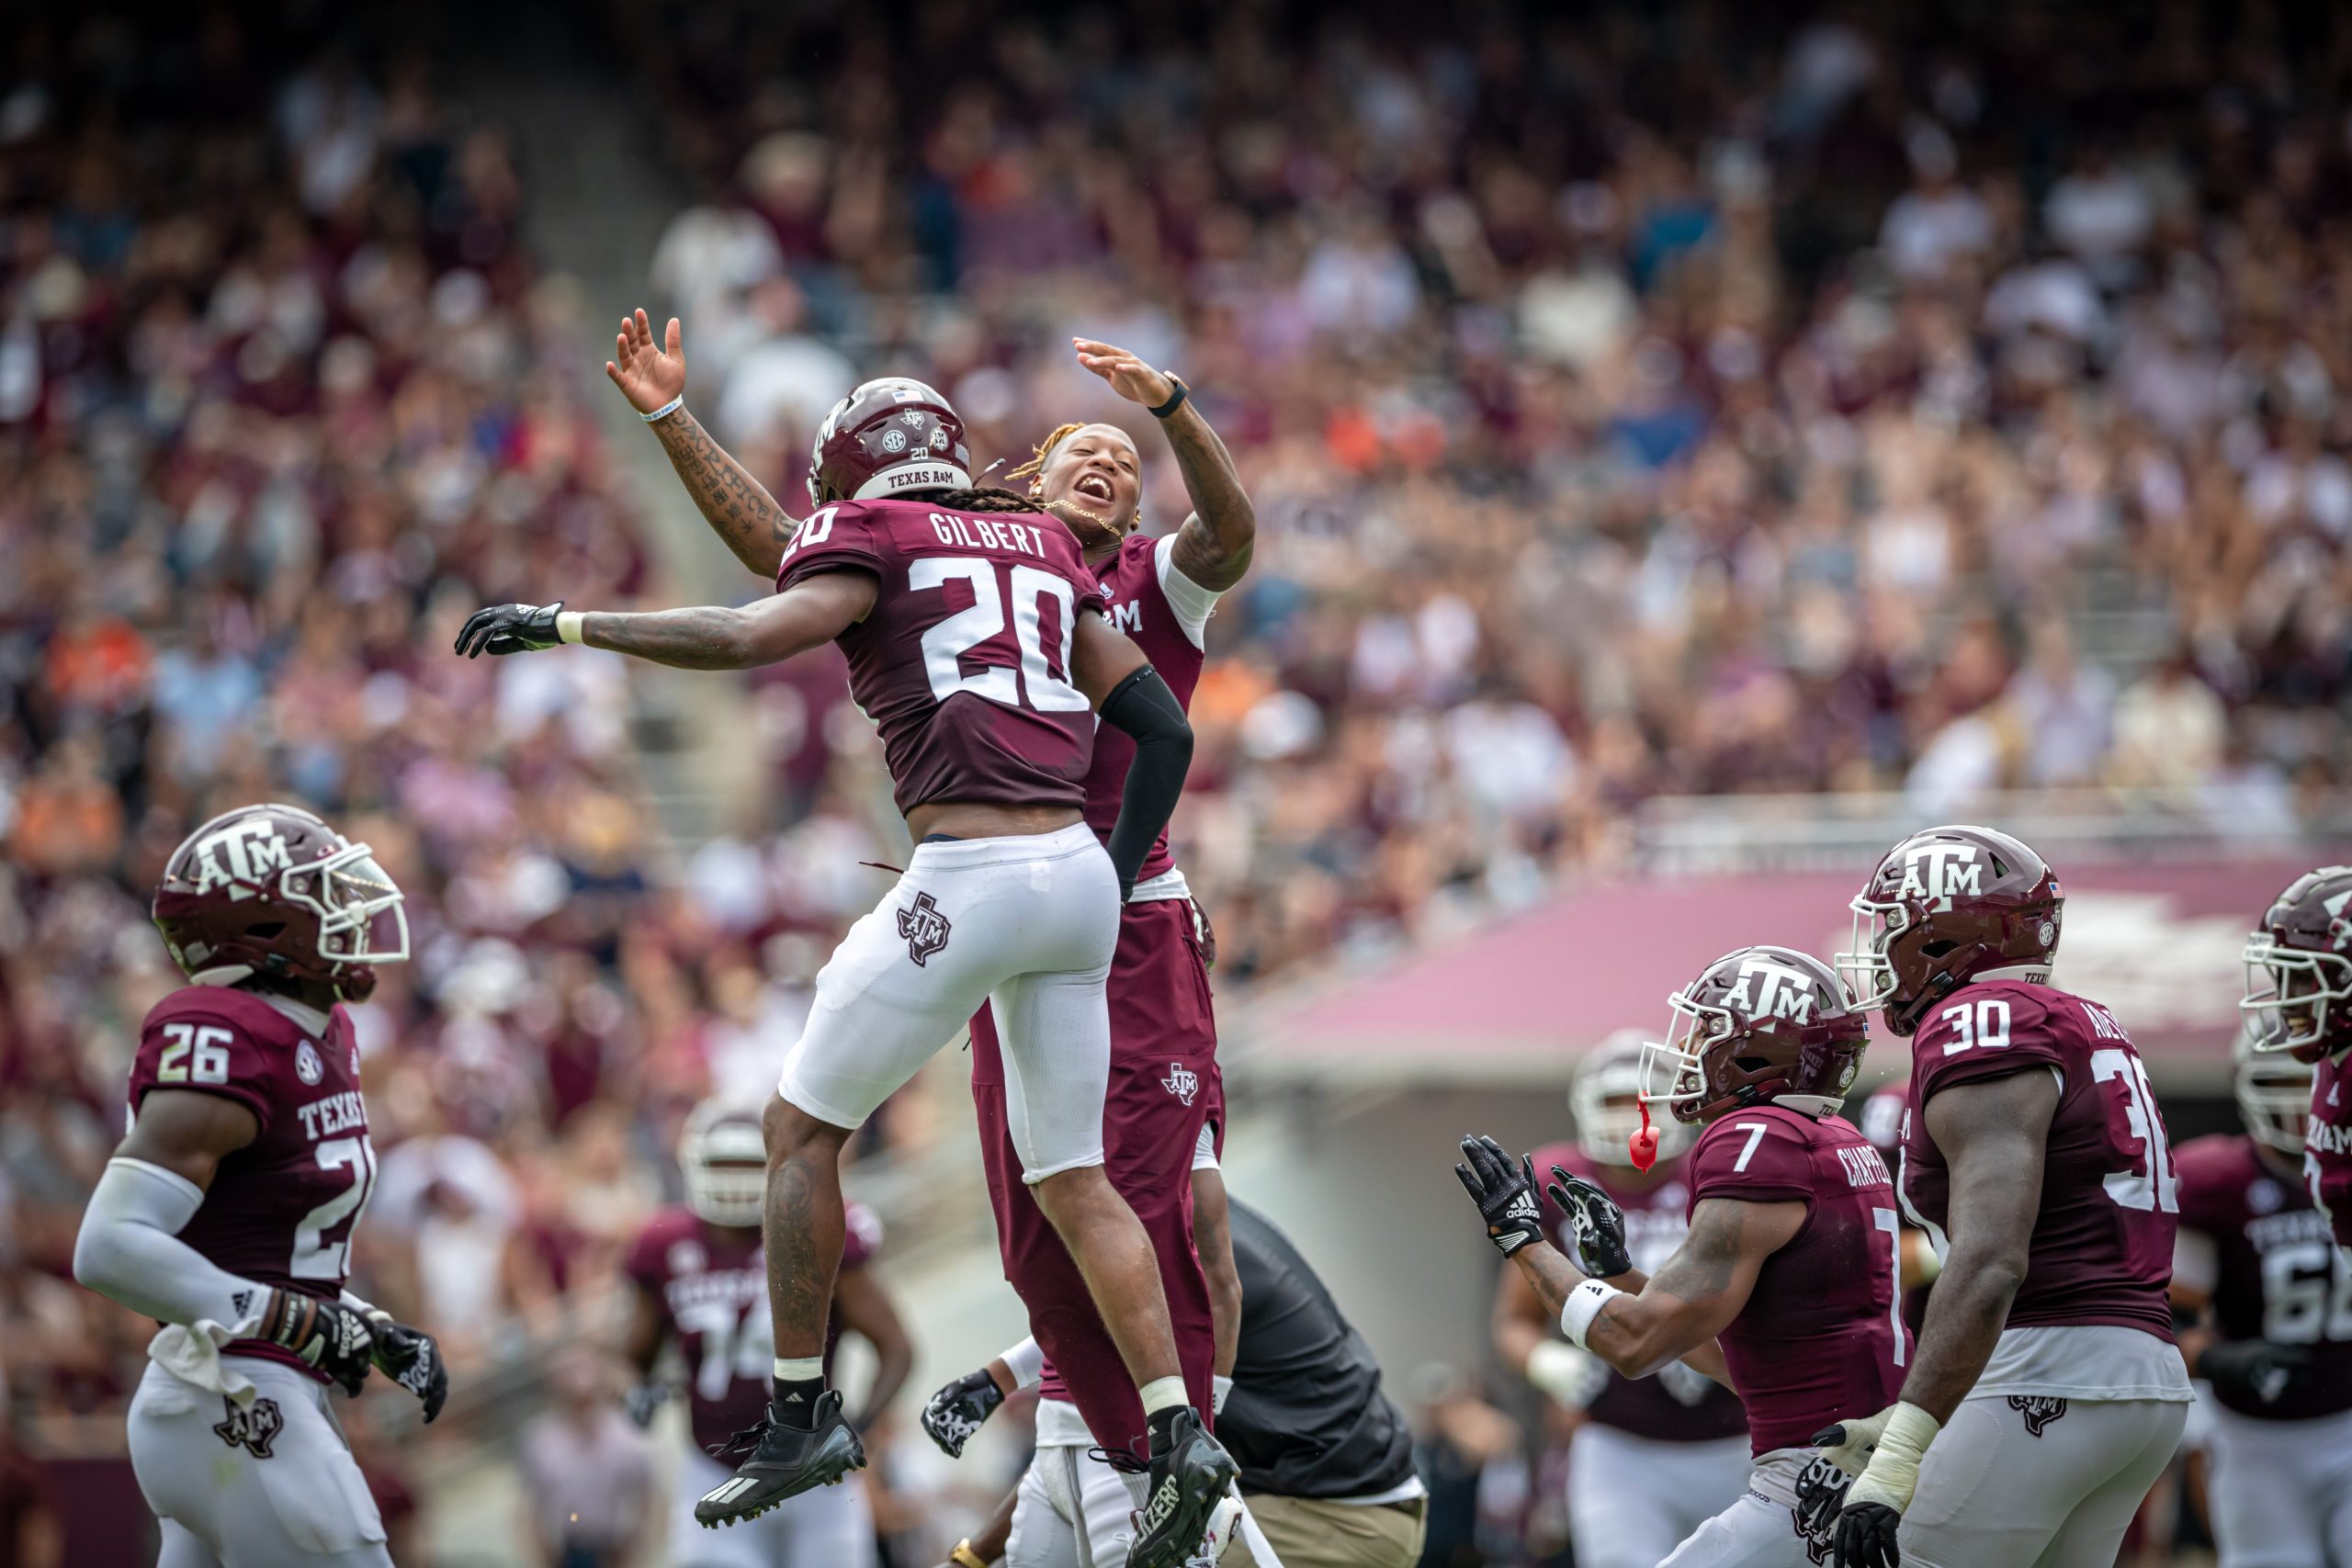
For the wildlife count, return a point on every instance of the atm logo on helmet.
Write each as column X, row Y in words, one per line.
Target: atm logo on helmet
column 239, row 856
column 1769, row 988
column 1939, row 873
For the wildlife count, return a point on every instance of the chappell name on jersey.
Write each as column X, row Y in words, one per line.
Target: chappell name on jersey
column 1863, row 1166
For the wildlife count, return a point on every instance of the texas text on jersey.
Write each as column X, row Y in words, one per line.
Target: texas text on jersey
column 1678, row 1405
column 279, row 1211
column 711, row 1283
column 964, row 662
column 2275, row 1272
column 1822, row 1330
column 2103, row 1239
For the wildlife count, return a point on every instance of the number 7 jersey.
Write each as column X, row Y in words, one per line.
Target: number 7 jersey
column 2103, row 1240
column 964, row 662
column 281, row 1210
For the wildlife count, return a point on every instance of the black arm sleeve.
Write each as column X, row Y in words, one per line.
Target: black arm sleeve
column 1145, row 709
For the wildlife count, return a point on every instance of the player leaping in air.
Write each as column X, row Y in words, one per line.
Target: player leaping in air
column 977, row 643
column 228, row 1212
column 1164, row 1111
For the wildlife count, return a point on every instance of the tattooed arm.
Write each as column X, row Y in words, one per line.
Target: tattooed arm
column 1213, row 546
column 1676, row 1314
column 808, row 614
column 737, row 506
column 1995, row 1134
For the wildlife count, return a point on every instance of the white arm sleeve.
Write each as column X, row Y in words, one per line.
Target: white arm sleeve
column 129, row 1251
column 1205, row 1148
column 1026, row 1361
column 1193, row 604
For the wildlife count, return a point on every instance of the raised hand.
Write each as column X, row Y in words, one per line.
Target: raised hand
column 1505, row 1193
column 648, row 374
column 1129, row 377
column 1598, row 1222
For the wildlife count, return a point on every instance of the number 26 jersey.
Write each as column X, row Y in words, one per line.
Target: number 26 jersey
column 2103, row 1240
column 964, row 662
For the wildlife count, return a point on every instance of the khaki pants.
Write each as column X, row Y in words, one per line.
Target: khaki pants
column 1309, row 1533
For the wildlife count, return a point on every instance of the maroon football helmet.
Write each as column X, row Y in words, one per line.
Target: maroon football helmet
column 1945, row 907
column 272, row 891
column 890, row 436
column 1761, row 1022
column 2298, row 969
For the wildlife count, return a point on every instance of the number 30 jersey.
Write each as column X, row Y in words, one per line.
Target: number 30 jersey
column 964, row 662
column 281, row 1210
column 2110, row 1203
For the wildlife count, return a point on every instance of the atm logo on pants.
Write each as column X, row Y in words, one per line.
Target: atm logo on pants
column 925, row 929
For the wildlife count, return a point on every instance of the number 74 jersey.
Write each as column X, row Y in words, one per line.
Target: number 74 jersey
column 2103, row 1240
column 282, row 1209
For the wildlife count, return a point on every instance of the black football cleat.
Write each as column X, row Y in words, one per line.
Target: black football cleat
column 1181, row 1498
column 781, row 1462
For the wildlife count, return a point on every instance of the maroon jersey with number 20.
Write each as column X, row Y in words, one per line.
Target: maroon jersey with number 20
column 2110, row 1204
column 964, row 662
column 1822, row 1334
column 281, row 1210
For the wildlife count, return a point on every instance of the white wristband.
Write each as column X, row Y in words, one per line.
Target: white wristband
column 665, row 410
column 566, row 625
column 1584, row 1304
column 1026, row 1362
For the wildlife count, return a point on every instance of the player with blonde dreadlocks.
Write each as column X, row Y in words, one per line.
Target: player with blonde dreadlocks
column 1164, row 1118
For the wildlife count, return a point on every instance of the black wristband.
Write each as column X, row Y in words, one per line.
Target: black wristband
column 1175, row 400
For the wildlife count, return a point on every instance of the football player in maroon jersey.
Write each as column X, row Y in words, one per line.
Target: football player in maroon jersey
column 1784, row 1289
column 975, row 642
column 1652, row 1458
column 2046, row 1380
column 1164, row 1073
column 227, row 1212
column 2271, row 1295
column 2299, row 992
column 700, row 1284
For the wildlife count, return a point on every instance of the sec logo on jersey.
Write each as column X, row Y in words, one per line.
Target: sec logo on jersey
column 307, row 1064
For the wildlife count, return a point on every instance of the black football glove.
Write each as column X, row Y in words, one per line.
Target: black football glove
column 2256, row 1370
column 411, row 1358
column 958, row 1410
column 1821, row 1497
column 644, row 1402
column 1865, row 1537
column 1505, row 1193
column 509, row 628
column 326, row 1334
column 1598, row 1222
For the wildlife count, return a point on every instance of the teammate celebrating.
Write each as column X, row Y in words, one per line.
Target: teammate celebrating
column 975, row 642
column 2255, row 1264
column 1655, row 1457
column 700, row 1282
column 2299, row 994
column 2046, row 1377
column 227, row 1212
column 1785, row 1286
column 1164, row 1085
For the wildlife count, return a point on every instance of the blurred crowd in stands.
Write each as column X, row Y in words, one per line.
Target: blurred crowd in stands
column 1642, row 402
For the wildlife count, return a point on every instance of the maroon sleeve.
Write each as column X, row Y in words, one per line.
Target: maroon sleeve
column 188, row 1042
column 843, row 537
column 649, row 1259
column 1984, row 1032
column 1756, row 1158
column 2209, row 1172
column 861, row 1236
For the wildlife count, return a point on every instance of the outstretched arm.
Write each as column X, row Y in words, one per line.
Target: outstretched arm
column 1214, row 544
column 1676, row 1312
column 738, row 507
column 808, row 614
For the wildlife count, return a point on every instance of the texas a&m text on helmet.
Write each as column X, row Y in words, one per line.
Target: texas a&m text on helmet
column 272, row 892
column 1756, row 1023
column 2298, row 969
column 891, row 436
column 1945, row 907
